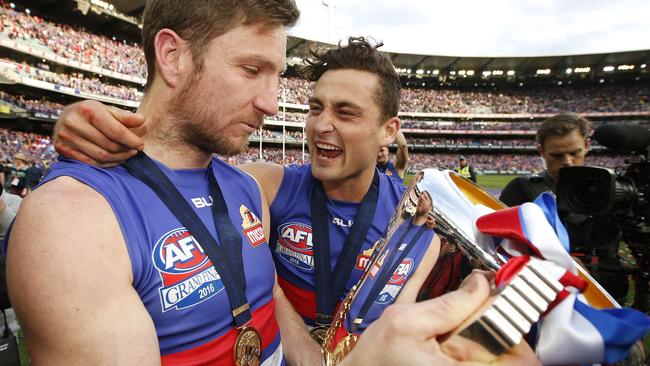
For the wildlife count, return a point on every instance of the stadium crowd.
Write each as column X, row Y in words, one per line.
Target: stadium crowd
column 73, row 43
column 32, row 105
column 502, row 163
column 543, row 100
column 495, row 126
column 78, row 81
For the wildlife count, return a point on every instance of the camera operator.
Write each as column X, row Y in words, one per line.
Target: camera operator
column 563, row 142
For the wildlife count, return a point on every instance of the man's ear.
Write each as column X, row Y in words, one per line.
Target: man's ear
column 172, row 57
column 390, row 129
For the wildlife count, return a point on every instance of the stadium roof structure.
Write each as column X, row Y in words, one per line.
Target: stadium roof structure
column 297, row 47
column 472, row 69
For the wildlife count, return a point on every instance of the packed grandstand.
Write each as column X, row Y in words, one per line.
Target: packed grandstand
column 46, row 63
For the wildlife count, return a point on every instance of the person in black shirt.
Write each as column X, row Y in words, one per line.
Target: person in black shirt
column 562, row 142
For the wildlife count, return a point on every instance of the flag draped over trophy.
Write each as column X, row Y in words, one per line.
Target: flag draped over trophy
column 572, row 331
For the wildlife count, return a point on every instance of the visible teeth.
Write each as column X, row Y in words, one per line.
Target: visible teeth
column 326, row 146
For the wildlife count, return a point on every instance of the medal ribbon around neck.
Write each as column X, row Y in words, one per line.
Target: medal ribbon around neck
column 225, row 257
column 330, row 286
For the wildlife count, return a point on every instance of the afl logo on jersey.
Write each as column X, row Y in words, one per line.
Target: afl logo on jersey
column 401, row 273
column 295, row 245
column 389, row 293
column 187, row 274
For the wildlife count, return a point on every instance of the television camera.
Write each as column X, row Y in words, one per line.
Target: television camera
column 617, row 204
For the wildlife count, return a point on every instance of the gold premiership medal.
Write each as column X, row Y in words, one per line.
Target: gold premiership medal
column 318, row 333
column 248, row 347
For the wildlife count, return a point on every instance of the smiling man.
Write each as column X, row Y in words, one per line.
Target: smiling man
column 340, row 201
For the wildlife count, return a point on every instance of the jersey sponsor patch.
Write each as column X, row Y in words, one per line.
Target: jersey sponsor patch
column 364, row 258
column 396, row 282
column 295, row 245
column 187, row 275
column 252, row 226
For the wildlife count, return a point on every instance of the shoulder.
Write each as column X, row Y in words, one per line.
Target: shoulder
column 70, row 222
column 394, row 184
column 268, row 175
column 63, row 201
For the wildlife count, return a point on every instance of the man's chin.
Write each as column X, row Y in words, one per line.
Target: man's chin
column 320, row 173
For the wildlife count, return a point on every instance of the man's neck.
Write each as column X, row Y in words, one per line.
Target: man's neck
column 176, row 156
column 163, row 143
column 351, row 189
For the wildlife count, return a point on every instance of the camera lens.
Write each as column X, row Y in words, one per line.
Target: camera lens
column 590, row 190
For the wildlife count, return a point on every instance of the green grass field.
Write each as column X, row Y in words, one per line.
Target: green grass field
column 489, row 182
column 494, row 181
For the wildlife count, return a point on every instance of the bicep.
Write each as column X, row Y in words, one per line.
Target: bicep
column 69, row 278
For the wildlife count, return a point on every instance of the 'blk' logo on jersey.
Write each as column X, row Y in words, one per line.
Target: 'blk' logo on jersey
column 187, row 274
column 295, row 246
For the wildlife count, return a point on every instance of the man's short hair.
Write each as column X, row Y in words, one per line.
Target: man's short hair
column 561, row 125
column 358, row 54
column 200, row 21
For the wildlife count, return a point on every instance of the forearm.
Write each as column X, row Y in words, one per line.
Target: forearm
column 297, row 344
column 402, row 157
column 402, row 154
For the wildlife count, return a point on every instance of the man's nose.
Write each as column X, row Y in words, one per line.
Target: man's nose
column 322, row 123
column 267, row 100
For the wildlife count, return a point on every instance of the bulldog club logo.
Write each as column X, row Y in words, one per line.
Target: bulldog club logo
column 390, row 291
column 252, row 227
column 295, row 245
column 187, row 274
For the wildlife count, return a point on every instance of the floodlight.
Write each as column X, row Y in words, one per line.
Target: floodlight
column 608, row 69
